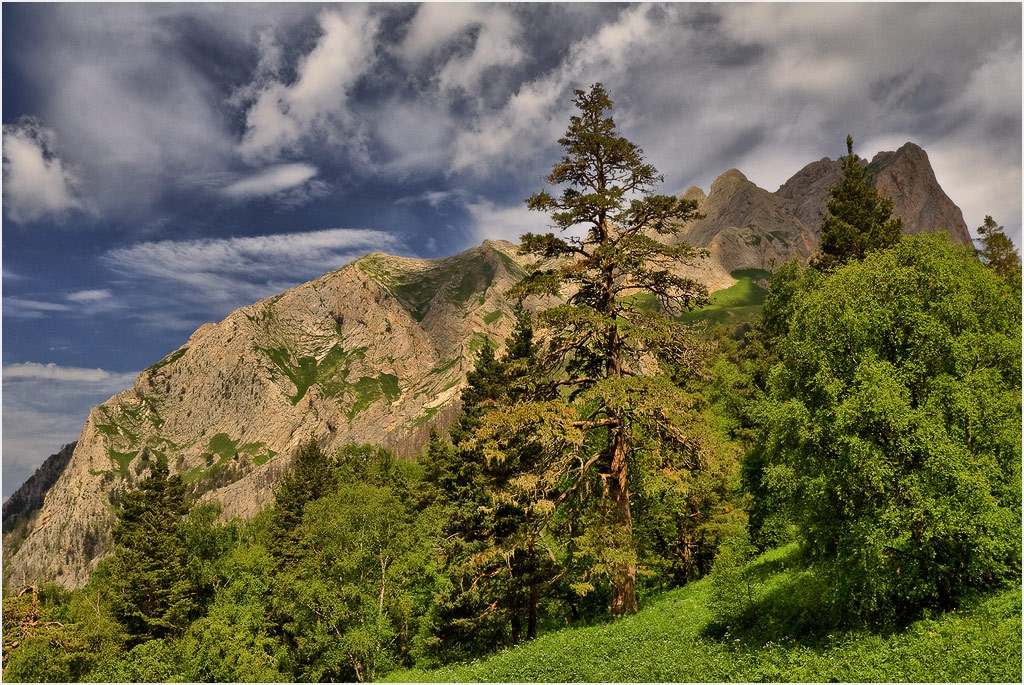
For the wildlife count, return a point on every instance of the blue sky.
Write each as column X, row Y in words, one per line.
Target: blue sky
column 164, row 164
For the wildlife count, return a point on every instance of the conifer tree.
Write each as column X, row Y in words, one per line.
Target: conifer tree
column 858, row 220
column 489, row 558
column 314, row 475
column 153, row 594
column 998, row 251
column 619, row 416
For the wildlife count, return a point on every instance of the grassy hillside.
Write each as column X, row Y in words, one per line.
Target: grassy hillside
column 674, row 639
column 739, row 302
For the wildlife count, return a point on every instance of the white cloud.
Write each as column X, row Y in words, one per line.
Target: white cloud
column 218, row 275
column 491, row 221
column 19, row 307
column 271, row 181
column 495, row 34
column 90, row 295
column 36, row 183
column 535, row 115
column 316, row 103
column 67, row 374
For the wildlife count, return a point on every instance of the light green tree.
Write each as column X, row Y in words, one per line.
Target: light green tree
column 893, row 423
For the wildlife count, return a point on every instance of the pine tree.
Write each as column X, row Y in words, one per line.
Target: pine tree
column 314, row 475
column 489, row 558
column 153, row 594
column 858, row 219
column 619, row 416
column 998, row 251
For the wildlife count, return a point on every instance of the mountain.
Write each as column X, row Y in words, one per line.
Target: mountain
column 376, row 351
column 748, row 227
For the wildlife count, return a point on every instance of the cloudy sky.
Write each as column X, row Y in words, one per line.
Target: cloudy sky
column 165, row 164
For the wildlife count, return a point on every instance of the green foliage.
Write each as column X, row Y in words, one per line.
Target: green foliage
column 152, row 593
column 892, row 428
column 351, row 596
column 314, row 475
column 858, row 219
column 998, row 251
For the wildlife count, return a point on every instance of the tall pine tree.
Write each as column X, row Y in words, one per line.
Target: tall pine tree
column 998, row 251
column 858, row 220
column 153, row 596
column 601, row 342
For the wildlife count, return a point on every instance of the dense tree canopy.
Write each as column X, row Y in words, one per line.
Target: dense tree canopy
column 893, row 424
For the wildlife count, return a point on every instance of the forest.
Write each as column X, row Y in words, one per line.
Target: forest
column 862, row 431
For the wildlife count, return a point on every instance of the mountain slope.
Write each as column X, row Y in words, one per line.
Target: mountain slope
column 745, row 226
column 376, row 351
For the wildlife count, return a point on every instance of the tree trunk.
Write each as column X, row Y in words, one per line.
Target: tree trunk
column 517, row 627
column 623, row 572
column 531, row 626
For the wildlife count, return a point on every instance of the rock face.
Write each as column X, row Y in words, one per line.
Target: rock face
column 376, row 351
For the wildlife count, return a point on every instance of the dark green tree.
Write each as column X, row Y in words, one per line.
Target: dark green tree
column 599, row 336
column 858, row 219
column 998, row 251
column 893, row 423
column 314, row 475
column 153, row 593
column 491, row 557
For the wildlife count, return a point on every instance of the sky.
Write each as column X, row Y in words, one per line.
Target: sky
column 164, row 164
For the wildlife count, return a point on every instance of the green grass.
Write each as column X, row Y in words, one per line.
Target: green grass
column 493, row 316
column 674, row 639
column 645, row 302
column 740, row 302
column 122, row 459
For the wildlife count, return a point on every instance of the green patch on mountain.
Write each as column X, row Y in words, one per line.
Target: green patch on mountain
column 442, row 368
column 645, row 302
column 122, row 459
column 333, row 374
column 223, row 446
column 168, row 360
column 477, row 276
column 740, row 302
column 477, row 342
column 489, row 319
column 459, row 278
column 417, row 290
column 510, row 264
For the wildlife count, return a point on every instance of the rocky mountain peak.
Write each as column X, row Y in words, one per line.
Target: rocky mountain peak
column 907, row 177
column 694, row 193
